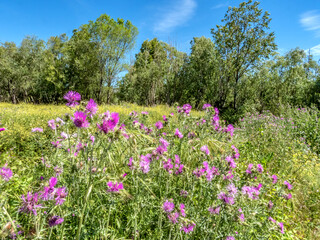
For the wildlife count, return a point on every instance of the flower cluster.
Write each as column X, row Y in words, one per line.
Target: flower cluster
column 5, row 173
column 169, row 207
column 115, row 187
column 210, row 172
column 72, row 98
column 109, row 122
column 168, row 165
column 185, row 109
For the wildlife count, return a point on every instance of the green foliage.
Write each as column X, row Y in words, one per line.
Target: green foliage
column 151, row 80
column 89, row 61
column 281, row 144
column 275, row 142
column 91, row 211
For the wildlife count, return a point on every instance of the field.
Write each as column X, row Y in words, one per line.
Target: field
column 129, row 172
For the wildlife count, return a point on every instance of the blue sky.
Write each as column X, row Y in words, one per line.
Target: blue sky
column 296, row 23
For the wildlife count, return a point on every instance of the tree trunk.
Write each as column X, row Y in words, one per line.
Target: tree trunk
column 12, row 93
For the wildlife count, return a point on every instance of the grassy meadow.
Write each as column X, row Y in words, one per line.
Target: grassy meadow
column 139, row 175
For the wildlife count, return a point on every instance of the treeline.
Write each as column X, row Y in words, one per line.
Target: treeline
column 89, row 62
column 237, row 70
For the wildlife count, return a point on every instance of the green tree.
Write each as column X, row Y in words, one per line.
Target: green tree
column 242, row 42
column 8, row 71
column 198, row 76
column 109, row 42
column 151, row 79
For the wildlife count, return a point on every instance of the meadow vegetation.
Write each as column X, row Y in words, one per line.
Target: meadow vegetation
column 130, row 172
column 222, row 143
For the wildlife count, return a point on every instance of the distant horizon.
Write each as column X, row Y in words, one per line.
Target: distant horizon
column 295, row 23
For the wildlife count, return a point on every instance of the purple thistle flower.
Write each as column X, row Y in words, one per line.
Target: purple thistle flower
column 183, row 193
column 56, row 144
column 259, row 168
column 115, row 187
column 180, row 169
column 252, row 192
column 249, row 169
column 164, row 117
column 236, row 155
column 168, row 206
column 206, row 105
column 272, row 220
column 36, row 130
column 5, row 173
column 110, row 123
column 178, row 133
column 188, row 228
column 289, row 186
column 191, row 135
column 281, row 227
column 231, row 162
column 167, row 165
column 92, row 138
column 227, row 199
column 30, row 203
column 2, row 129
column 64, row 135
column 211, row 172
column 55, row 220
column 275, row 179
column 228, row 176
column 214, row 210
column 230, row 129
column 91, row 108
column 60, row 195
column 241, row 217
column 270, row 204
column 144, row 113
column 205, row 149
column 232, row 190
column 133, row 114
column 215, row 122
column 48, row 192
column 161, row 150
column 287, row 196
column 173, row 217
column 159, row 125
column 182, row 210
column 72, row 98
column 199, row 172
column 145, row 164
column 186, row 108
column 164, row 142
column 80, row 120
column 52, row 124
column 130, row 164
column 230, row 238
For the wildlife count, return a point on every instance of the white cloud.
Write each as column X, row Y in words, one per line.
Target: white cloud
column 178, row 14
column 311, row 21
column 221, row 5
column 315, row 51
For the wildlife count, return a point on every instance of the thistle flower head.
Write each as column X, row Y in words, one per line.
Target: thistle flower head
column 55, row 220
column 80, row 120
column 115, row 187
column 168, row 206
column 72, row 98
column 91, row 108
column 5, row 173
